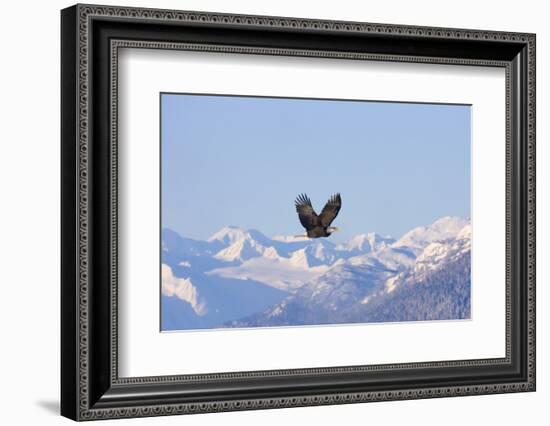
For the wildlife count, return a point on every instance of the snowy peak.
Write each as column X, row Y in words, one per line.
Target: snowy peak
column 229, row 235
column 435, row 252
column 442, row 229
column 434, row 257
column 240, row 244
column 449, row 225
column 364, row 243
column 240, row 250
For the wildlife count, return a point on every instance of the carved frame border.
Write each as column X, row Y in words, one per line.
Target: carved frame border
column 85, row 13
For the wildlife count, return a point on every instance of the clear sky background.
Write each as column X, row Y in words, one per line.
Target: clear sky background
column 242, row 161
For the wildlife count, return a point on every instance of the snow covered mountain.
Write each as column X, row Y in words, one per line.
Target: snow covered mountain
column 441, row 230
column 437, row 287
column 323, row 299
column 364, row 243
column 242, row 278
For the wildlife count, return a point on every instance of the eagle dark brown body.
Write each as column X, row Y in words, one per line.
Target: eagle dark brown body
column 318, row 225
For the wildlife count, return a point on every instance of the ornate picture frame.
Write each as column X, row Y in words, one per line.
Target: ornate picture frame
column 91, row 37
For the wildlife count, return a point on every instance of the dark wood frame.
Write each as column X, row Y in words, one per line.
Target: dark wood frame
column 90, row 386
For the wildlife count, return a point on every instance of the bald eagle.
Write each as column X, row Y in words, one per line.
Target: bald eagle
column 317, row 225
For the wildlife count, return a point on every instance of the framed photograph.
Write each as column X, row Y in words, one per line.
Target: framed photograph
column 263, row 212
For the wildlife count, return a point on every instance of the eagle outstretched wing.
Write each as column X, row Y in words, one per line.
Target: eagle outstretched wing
column 308, row 217
column 330, row 211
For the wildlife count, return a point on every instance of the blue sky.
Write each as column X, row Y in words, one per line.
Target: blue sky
column 242, row 161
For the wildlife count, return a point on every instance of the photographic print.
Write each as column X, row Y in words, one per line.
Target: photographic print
column 307, row 212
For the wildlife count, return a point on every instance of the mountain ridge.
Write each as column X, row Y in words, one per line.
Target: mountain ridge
column 311, row 281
